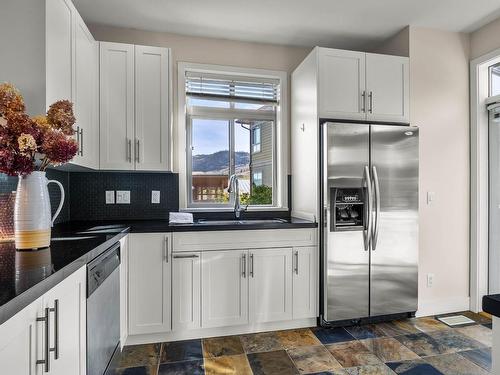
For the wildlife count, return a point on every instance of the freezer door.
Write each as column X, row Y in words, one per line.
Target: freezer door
column 345, row 262
column 394, row 254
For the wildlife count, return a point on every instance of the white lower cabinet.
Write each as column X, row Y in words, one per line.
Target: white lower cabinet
column 224, row 288
column 68, row 301
column 305, row 282
column 186, row 293
column 149, row 283
column 270, row 285
column 23, row 338
column 17, row 341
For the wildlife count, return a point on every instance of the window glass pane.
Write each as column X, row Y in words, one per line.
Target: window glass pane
column 197, row 102
column 254, row 106
column 242, row 158
column 261, row 168
column 210, row 160
column 495, row 80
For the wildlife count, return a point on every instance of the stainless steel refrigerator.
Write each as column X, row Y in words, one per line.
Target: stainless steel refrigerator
column 369, row 228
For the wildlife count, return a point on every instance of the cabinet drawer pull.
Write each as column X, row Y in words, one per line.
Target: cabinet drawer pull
column 370, row 96
column 137, row 151
column 46, row 350
column 129, row 150
column 363, row 98
column 296, row 262
column 186, row 256
column 81, row 142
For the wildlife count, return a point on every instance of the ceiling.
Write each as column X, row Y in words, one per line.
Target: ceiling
column 329, row 23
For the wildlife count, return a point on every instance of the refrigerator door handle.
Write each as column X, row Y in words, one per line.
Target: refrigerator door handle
column 367, row 233
column 377, row 207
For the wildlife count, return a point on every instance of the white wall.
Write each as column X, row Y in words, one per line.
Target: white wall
column 485, row 39
column 439, row 94
column 207, row 51
column 439, row 105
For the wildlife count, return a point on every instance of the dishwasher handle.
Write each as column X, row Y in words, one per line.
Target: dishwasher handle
column 102, row 267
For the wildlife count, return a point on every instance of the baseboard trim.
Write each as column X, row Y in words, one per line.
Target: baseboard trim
column 222, row 331
column 442, row 306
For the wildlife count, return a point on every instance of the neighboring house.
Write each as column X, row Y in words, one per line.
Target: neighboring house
column 261, row 155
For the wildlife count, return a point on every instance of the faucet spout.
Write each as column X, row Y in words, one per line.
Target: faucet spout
column 234, row 188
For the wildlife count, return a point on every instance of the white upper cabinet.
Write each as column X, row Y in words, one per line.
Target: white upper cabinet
column 134, row 110
column 151, row 108
column 117, row 146
column 149, row 282
column 224, row 288
column 86, row 96
column 362, row 86
column 387, row 87
column 341, row 84
column 59, row 67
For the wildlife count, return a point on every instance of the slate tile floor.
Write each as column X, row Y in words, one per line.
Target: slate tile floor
column 422, row 346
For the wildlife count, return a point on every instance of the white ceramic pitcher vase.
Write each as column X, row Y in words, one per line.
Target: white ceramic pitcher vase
column 32, row 212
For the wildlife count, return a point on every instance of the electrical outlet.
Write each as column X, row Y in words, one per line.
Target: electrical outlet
column 110, row 197
column 155, row 196
column 430, row 280
column 123, row 197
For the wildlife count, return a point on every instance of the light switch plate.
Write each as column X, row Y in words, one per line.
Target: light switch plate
column 110, row 197
column 123, row 196
column 155, row 196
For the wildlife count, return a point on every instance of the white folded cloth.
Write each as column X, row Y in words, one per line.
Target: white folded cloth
column 180, row 218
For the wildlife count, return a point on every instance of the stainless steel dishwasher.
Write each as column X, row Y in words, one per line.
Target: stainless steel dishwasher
column 103, row 309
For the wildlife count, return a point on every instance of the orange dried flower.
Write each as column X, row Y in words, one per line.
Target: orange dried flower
column 11, row 101
column 60, row 116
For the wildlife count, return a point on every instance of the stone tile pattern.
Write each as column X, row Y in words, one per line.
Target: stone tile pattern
column 410, row 347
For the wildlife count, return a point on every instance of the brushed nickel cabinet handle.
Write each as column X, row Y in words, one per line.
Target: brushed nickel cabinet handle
column 370, row 96
column 251, row 265
column 81, row 142
column 137, row 152
column 46, row 350
column 167, row 255
column 55, row 309
column 189, row 256
column 296, row 262
column 244, row 266
column 363, row 97
column 129, row 150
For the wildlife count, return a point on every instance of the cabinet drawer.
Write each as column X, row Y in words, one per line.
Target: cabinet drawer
column 245, row 239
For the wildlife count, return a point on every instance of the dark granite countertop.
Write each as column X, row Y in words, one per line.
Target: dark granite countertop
column 27, row 275
column 491, row 304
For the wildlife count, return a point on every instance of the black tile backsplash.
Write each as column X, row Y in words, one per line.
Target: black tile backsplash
column 9, row 184
column 88, row 198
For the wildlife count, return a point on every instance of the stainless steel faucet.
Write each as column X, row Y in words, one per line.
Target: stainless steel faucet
column 234, row 187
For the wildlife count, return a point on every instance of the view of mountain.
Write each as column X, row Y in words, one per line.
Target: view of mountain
column 218, row 161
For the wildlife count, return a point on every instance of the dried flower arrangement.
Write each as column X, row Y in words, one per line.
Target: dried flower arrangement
column 29, row 144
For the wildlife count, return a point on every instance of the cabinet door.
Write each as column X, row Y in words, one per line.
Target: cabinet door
column 117, row 144
column 341, row 84
column 224, row 288
column 18, row 354
column 149, row 281
column 59, row 50
column 270, row 272
column 86, row 98
column 151, row 108
column 70, row 298
column 305, row 281
column 387, row 85
column 186, row 294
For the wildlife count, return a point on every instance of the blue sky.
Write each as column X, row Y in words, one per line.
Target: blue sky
column 210, row 136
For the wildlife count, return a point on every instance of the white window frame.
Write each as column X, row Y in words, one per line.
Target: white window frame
column 479, row 191
column 281, row 134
